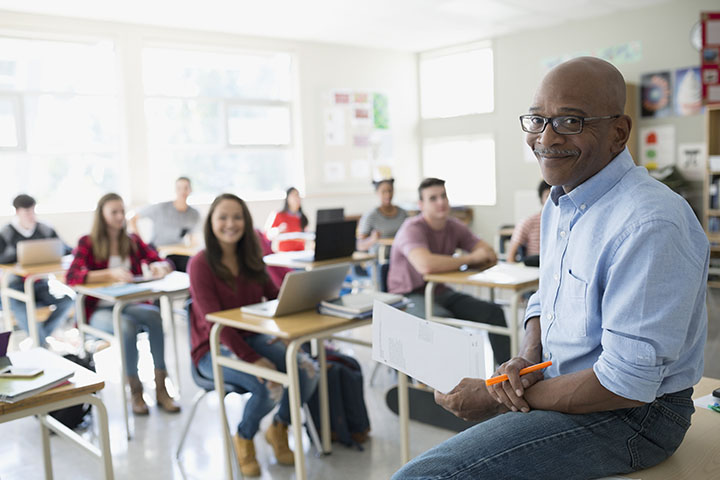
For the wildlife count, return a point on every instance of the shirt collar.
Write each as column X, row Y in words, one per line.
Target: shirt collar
column 27, row 233
column 592, row 189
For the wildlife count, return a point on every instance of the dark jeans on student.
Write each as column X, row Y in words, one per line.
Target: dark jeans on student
column 262, row 401
column 551, row 445
column 43, row 298
column 452, row 304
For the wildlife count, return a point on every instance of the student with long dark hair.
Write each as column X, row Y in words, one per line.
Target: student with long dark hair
column 109, row 254
column 290, row 219
column 230, row 273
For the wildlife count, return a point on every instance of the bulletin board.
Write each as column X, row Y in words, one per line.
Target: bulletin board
column 357, row 140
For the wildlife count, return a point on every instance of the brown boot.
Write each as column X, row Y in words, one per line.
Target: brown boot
column 139, row 407
column 277, row 437
column 245, row 451
column 164, row 400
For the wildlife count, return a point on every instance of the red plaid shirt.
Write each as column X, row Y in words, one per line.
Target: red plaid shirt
column 85, row 261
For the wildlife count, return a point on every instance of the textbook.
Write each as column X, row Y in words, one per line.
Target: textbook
column 122, row 289
column 360, row 302
column 15, row 389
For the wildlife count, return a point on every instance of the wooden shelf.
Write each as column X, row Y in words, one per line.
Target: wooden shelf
column 714, row 283
column 713, row 212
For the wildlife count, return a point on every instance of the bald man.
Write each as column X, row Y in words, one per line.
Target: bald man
column 620, row 311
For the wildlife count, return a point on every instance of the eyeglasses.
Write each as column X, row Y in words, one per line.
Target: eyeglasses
column 564, row 125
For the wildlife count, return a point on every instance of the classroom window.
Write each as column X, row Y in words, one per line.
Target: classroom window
column 59, row 122
column 454, row 83
column 225, row 119
column 467, row 165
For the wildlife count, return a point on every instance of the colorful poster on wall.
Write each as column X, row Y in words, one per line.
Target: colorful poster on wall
column 656, row 94
column 688, row 91
column 380, row 111
column 657, row 146
column 710, row 57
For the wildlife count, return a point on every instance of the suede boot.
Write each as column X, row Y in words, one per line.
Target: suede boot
column 245, row 451
column 139, row 407
column 164, row 400
column 277, row 437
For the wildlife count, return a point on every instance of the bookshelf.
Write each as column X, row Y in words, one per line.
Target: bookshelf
column 711, row 191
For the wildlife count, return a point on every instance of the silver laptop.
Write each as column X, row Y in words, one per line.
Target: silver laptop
column 302, row 290
column 40, row 251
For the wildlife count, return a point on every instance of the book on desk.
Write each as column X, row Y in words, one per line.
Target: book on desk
column 15, row 389
column 359, row 305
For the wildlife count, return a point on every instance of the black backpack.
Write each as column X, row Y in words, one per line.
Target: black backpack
column 349, row 420
column 75, row 415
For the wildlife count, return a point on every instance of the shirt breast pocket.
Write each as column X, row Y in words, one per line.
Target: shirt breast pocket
column 572, row 305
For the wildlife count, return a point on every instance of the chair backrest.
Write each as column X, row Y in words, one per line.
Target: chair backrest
column 207, row 384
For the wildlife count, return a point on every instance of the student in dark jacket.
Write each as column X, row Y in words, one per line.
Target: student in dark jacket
column 24, row 226
column 230, row 273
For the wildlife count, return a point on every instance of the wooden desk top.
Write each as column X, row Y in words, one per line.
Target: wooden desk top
column 698, row 457
column 464, row 278
column 387, row 242
column 83, row 382
column 179, row 249
column 282, row 259
column 287, row 326
column 21, row 271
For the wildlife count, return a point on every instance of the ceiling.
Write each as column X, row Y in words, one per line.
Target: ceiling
column 410, row 25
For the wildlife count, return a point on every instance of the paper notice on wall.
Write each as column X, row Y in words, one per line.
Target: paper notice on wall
column 657, row 146
column 382, row 146
column 361, row 115
column 334, row 172
column 360, row 168
column 691, row 160
column 334, row 126
column 340, row 97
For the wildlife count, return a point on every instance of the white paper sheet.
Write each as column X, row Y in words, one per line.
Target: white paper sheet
column 435, row 354
column 508, row 273
column 708, row 399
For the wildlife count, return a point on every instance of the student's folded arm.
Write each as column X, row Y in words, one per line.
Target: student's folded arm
column 575, row 393
column 426, row 262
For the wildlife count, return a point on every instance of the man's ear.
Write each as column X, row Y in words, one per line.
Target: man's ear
column 621, row 133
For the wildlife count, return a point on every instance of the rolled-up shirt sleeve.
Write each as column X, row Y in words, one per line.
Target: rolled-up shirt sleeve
column 533, row 307
column 648, row 316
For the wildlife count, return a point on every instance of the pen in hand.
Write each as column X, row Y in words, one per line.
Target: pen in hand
column 531, row 368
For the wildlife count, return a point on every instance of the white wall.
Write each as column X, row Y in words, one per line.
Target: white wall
column 321, row 68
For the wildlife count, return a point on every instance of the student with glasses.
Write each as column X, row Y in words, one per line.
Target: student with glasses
column 620, row 310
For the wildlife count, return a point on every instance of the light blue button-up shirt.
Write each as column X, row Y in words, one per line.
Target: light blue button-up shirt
column 623, row 272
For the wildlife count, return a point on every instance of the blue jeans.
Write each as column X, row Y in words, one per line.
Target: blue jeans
column 135, row 319
column 552, row 445
column 261, row 403
column 43, row 298
column 449, row 303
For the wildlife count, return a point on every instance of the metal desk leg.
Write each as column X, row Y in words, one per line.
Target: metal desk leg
column 47, row 457
column 220, row 389
column 103, row 436
column 513, row 323
column 324, row 403
column 429, row 291
column 117, row 331
column 5, row 299
column 404, row 416
column 30, row 309
column 168, row 316
column 291, row 365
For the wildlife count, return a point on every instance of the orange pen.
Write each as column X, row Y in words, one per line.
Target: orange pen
column 531, row 368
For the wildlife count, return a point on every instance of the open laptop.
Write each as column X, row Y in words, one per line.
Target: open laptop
column 302, row 290
column 332, row 240
column 40, row 251
column 329, row 215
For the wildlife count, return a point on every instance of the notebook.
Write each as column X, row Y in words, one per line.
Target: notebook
column 360, row 302
column 332, row 240
column 302, row 290
column 40, row 251
column 15, row 389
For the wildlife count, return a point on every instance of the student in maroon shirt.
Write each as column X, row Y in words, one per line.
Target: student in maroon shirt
column 230, row 273
column 110, row 255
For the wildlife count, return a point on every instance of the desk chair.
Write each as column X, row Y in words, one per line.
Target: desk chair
column 208, row 385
